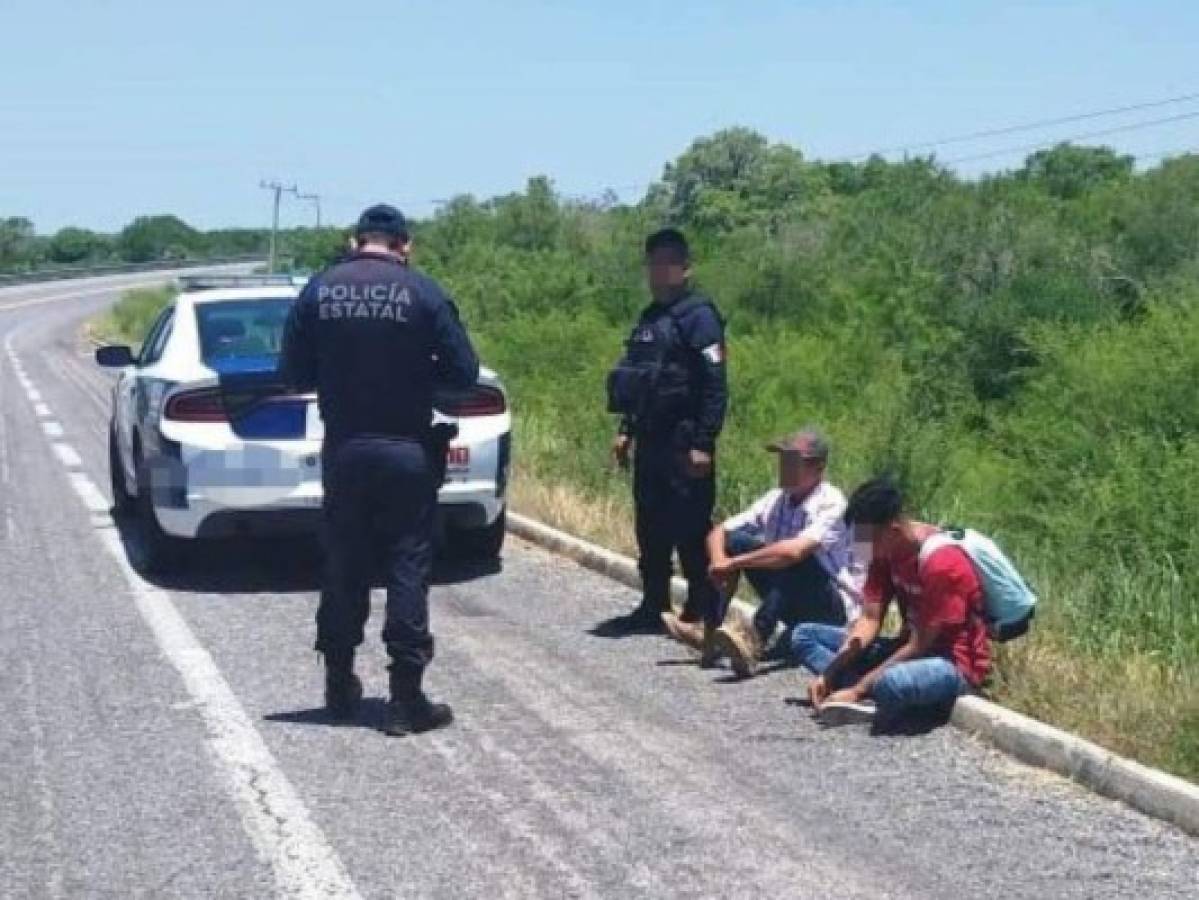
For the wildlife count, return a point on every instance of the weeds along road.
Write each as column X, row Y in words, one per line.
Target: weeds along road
column 165, row 739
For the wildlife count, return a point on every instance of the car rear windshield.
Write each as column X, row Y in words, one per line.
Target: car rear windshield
column 241, row 331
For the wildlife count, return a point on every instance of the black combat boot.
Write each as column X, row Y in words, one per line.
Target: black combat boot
column 646, row 618
column 409, row 710
column 343, row 690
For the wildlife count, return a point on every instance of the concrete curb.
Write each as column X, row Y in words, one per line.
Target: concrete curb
column 592, row 556
column 1150, row 791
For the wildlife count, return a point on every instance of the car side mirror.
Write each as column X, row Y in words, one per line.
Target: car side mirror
column 114, row 357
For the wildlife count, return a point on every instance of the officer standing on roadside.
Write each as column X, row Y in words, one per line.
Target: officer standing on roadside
column 373, row 337
column 670, row 390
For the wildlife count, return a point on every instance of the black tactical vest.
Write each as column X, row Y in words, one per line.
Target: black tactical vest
column 651, row 384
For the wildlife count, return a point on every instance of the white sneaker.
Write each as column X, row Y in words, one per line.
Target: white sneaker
column 844, row 713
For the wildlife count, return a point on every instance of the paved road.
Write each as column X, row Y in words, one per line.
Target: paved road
column 164, row 740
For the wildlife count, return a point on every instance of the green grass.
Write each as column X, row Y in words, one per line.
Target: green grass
column 131, row 317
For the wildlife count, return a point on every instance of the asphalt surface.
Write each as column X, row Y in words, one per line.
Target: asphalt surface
column 166, row 740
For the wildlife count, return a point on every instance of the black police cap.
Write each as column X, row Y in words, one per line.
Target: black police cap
column 382, row 219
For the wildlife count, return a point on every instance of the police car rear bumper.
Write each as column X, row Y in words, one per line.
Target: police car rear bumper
column 469, row 504
column 462, row 505
column 243, row 510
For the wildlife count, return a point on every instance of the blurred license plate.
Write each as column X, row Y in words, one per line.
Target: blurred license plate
column 458, row 457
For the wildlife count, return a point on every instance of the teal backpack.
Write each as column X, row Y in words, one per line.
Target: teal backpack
column 1009, row 604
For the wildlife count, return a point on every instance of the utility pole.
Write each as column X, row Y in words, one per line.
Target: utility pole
column 278, row 189
column 315, row 198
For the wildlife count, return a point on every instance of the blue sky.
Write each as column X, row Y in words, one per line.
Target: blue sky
column 118, row 108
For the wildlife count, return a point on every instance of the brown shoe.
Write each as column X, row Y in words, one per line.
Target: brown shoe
column 739, row 641
column 697, row 636
column 689, row 633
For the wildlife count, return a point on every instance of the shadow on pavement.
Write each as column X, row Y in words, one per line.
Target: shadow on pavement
column 770, row 667
column 276, row 565
column 621, row 626
column 371, row 714
column 448, row 570
column 914, row 724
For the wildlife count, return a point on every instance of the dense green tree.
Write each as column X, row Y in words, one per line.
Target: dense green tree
column 149, row 238
column 74, row 245
column 310, row 249
column 1068, row 170
column 16, row 242
column 528, row 221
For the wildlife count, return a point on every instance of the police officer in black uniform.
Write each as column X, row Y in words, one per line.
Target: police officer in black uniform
column 373, row 338
column 670, row 390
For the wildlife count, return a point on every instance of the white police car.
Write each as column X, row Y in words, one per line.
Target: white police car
column 204, row 442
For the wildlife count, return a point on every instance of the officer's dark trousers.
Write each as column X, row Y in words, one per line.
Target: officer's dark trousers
column 673, row 512
column 380, row 501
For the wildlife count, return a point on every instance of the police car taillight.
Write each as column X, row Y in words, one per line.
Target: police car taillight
column 480, row 401
column 204, row 405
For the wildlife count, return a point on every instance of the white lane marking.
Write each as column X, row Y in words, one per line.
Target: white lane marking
column 95, row 501
column 66, row 455
column 52, row 429
column 33, row 394
column 304, row 863
column 42, row 410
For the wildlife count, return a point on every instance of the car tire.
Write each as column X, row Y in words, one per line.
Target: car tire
column 155, row 552
column 481, row 543
column 123, row 503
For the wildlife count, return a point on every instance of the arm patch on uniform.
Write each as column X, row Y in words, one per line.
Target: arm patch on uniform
column 714, row 353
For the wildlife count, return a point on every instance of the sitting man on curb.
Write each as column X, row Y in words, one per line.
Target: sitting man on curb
column 942, row 650
column 793, row 546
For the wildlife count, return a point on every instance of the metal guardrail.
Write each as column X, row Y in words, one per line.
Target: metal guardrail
column 60, row 274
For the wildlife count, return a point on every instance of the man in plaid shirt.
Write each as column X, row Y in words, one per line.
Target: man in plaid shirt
column 794, row 548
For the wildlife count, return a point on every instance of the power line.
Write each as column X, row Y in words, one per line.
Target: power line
column 1166, row 154
column 1030, row 126
column 1133, row 126
column 994, row 132
column 962, row 138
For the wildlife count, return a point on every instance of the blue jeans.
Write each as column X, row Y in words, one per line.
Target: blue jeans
column 804, row 592
column 929, row 684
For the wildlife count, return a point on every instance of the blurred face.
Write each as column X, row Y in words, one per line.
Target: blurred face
column 882, row 539
column 799, row 476
column 863, row 544
column 667, row 271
